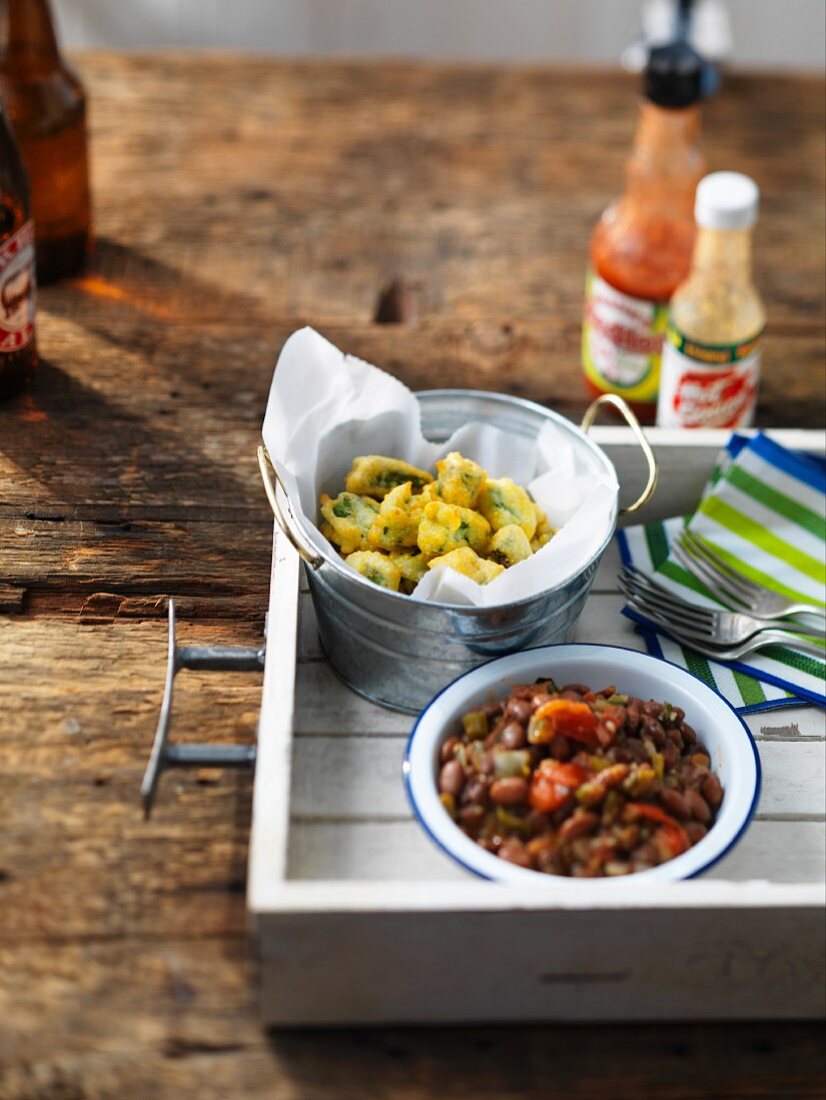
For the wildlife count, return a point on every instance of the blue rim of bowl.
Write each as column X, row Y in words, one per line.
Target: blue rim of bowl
column 758, row 776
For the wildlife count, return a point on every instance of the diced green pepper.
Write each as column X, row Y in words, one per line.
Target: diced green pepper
column 475, row 724
column 509, row 820
column 508, row 762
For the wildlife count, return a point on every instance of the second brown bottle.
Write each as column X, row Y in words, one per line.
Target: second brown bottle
column 46, row 105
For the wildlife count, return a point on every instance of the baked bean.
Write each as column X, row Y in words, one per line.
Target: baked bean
column 451, row 778
column 510, row 791
column 698, row 806
column 523, row 691
column 689, row 734
column 514, row 851
column 652, row 708
column 695, row 831
column 712, row 790
column 582, row 823
column 472, row 817
column 671, row 754
column 476, row 790
column 519, row 710
column 675, row 803
column 636, row 750
column 447, row 749
column 491, row 709
column 560, row 747
column 578, row 689
column 653, row 728
column 513, row 736
column 674, row 736
column 632, row 716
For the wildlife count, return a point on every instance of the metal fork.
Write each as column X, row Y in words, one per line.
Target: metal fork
column 717, row 628
column 730, row 586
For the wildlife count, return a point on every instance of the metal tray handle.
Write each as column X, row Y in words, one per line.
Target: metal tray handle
column 645, row 446
column 292, row 532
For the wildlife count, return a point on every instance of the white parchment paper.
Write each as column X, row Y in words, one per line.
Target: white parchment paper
column 326, row 407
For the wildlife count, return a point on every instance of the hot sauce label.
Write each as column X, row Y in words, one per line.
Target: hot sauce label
column 708, row 385
column 622, row 341
column 17, row 289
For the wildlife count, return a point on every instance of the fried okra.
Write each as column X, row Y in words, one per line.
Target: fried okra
column 544, row 531
column 465, row 561
column 459, row 480
column 376, row 567
column 396, row 526
column 509, row 545
column 502, row 502
column 445, row 527
column 375, row 476
column 349, row 519
column 412, row 565
column 393, row 522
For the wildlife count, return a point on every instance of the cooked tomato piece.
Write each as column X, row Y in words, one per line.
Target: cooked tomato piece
column 553, row 784
column 672, row 835
column 574, row 720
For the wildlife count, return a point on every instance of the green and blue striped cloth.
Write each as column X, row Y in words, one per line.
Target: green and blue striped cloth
column 763, row 511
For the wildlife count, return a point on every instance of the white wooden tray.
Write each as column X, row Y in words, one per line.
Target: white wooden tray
column 360, row 919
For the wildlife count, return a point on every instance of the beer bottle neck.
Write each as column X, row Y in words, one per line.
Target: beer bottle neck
column 27, row 36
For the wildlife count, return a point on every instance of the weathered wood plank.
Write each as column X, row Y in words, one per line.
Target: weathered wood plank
column 357, row 778
column 508, row 181
column 125, row 943
column 177, row 1017
column 401, row 850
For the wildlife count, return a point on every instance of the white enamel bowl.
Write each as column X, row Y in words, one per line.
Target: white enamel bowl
column 729, row 743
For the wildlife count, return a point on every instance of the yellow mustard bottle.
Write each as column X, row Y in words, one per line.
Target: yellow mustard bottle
column 711, row 357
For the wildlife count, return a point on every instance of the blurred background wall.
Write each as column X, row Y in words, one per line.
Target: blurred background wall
column 766, row 33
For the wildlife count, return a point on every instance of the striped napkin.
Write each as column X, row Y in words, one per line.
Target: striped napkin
column 764, row 511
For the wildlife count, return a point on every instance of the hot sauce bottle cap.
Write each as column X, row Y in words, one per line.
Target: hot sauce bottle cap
column 726, row 200
column 673, row 76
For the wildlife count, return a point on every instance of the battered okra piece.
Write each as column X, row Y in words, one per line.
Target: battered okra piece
column 509, row 545
column 376, row 567
column 349, row 519
column 502, row 502
column 469, row 564
column 376, row 475
column 412, row 566
column 395, row 526
column 459, row 480
column 544, row 531
column 446, row 527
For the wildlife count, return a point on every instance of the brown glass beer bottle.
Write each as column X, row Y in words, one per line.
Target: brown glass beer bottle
column 18, row 350
column 46, row 106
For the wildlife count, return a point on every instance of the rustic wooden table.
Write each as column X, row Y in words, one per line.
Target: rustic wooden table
column 237, row 199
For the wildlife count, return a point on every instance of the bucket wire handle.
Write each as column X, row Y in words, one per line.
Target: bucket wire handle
column 291, row 531
column 645, row 446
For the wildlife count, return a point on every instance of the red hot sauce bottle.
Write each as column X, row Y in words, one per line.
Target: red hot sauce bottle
column 18, row 348
column 641, row 247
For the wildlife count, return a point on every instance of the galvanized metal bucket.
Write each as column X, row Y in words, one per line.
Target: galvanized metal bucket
column 400, row 652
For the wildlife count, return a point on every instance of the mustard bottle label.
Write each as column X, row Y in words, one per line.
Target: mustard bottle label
column 708, row 385
column 622, row 341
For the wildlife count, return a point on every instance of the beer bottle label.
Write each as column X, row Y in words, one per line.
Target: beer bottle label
column 17, row 289
column 622, row 341
column 708, row 385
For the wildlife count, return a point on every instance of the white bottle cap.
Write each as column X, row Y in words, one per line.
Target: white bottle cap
column 726, row 200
